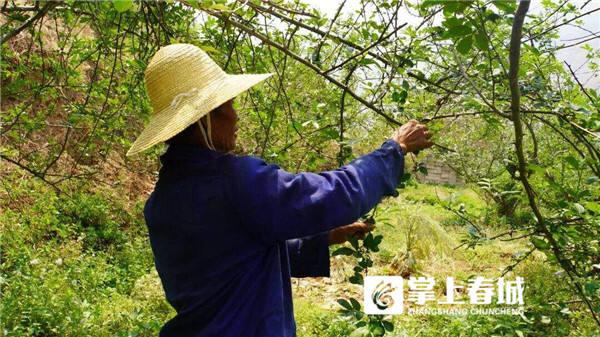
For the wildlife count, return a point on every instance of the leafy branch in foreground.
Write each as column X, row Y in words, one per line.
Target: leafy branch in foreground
column 366, row 325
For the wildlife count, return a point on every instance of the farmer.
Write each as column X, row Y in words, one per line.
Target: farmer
column 227, row 231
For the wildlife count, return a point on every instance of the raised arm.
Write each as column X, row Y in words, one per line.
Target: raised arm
column 277, row 205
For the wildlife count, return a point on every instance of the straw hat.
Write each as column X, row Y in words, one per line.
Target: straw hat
column 184, row 84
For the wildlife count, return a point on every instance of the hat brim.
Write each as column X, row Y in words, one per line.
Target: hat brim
column 170, row 121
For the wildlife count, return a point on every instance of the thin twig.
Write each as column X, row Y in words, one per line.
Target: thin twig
column 308, row 64
column 561, row 24
column 49, row 5
column 580, row 85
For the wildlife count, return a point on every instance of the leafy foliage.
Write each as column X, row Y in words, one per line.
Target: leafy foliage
column 74, row 99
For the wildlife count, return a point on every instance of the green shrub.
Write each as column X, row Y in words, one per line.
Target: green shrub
column 97, row 218
column 77, row 265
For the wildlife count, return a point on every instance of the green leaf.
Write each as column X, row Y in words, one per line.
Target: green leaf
column 330, row 133
column 219, row 7
column 353, row 242
column 464, row 45
column 388, row 325
column 481, row 41
column 365, row 263
column 536, row 168
column 194, row 3
column 572, row 161
column 451, row 7
column 592, row 206
column 368, row 241
column 356, row 279
column 366, row 61
column 123, row 5
column 456, row 31
column 376, row 328
column 507, row 6
column 343, row 251
column 399, row 96
column 452, row 22
column 492, row 17
column 429, row 3
column 405, row 177
column 592, row 286
column 540, row 243
column 355, row 303
column 344, row 303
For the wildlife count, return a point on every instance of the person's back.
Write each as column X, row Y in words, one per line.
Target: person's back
column 221, row 280
column 219, row 226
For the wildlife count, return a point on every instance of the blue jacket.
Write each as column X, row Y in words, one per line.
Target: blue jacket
column 228, row 232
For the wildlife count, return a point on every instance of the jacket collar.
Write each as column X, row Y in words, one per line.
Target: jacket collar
column 188, row 153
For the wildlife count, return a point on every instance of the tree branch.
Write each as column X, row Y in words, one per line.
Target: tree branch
column 49, row 5
column 514, row 56
column 342, row 40
column 580, row 85
column 561, row 24
column 32, row 172
column 272, row 43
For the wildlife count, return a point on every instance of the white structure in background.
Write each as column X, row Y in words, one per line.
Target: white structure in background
column 438, row 172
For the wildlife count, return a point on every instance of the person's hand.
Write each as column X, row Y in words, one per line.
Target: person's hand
column 413, row 137
column 341, row 234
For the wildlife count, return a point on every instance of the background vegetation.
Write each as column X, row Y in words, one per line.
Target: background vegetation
column 514, row 120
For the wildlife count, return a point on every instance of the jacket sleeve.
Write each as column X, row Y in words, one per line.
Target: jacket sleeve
column 309, row 256
column 276, row 205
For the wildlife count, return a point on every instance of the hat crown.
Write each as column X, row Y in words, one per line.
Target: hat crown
column 176, row 69
column 184, row 84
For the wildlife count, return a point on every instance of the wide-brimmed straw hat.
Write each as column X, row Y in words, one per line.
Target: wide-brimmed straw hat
column 184, row 84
